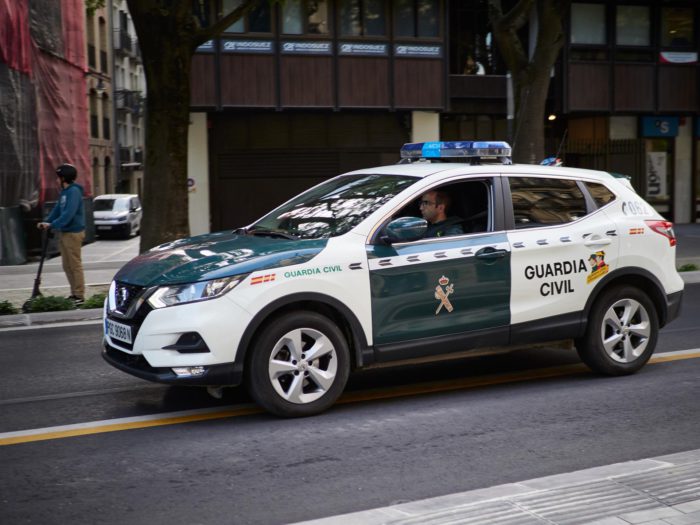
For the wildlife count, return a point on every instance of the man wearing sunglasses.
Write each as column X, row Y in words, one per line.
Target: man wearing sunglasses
column 434, row 207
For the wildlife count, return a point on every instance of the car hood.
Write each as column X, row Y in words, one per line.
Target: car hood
column 215, row 256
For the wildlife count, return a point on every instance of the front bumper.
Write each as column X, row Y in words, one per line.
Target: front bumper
column 230, row 374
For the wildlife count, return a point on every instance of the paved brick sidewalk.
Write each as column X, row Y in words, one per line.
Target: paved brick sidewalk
column 656, row 491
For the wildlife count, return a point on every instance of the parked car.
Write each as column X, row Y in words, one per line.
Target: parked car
column 117, row 214
column 342, row 277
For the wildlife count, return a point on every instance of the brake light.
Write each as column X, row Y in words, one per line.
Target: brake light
column 664, row 228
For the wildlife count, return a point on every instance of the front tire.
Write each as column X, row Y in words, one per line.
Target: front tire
column 622, row 332
column 299, row 365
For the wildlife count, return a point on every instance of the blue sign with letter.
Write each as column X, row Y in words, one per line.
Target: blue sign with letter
column 660, row 126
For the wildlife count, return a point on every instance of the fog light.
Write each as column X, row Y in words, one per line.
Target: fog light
column 189, row 371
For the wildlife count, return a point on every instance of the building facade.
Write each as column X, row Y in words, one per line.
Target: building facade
column 129, row 102
column 100, row 98
column 296, row 93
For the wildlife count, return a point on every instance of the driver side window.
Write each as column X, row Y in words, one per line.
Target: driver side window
column 453, row 209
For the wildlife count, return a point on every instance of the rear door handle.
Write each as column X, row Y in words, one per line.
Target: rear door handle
column 600, row 241
column 490, row 253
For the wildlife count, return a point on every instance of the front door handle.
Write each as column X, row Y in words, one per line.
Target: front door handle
column 600, row 241
column 490, row 253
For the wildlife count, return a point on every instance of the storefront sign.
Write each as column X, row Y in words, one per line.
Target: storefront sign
column 247, row 46
column 347, row 48
column 206, row 47
column 659, row 126
column 306, row 48
column 656, row 174
column 412, row 51
column 678, row 57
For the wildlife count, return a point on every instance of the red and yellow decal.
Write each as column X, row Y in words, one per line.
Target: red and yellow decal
column 263, row 279
column 636, row 231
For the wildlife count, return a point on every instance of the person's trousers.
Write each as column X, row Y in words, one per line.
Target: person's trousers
column 71, row 244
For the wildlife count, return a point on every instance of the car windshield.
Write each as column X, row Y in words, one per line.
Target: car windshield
column 333, row 208
column 103, row 204
column 121, row 205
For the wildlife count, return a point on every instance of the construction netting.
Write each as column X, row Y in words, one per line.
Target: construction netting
column 43, row 99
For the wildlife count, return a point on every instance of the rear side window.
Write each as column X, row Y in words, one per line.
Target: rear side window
column 600, row 194
column 545, row 202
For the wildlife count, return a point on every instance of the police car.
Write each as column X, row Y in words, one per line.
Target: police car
column 343, row 277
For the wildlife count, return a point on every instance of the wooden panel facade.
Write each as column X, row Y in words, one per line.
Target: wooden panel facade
column 678, row 88
column 478, row 86
column 363, row 82
column 419, row 83
column 589, row 87
column 248, row 80
column 634, row 87
column 203, row 81
column 306, row 81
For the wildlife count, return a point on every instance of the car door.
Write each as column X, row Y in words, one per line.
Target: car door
column 435, row 295
column 562, row 245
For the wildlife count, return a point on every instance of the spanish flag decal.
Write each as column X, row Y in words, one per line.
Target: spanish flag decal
column 263, row 279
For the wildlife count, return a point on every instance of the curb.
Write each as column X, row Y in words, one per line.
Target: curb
column 46, row 318
column 43, row 318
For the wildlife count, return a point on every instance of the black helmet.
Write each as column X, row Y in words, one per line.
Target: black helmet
column 67, row 172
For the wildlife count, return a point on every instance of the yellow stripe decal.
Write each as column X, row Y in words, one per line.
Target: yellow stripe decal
column 84, row 429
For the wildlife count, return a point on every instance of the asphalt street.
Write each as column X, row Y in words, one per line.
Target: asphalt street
column 399, row 435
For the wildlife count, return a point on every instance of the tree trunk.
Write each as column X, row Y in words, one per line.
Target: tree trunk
column 531, row 75
column 166, row 40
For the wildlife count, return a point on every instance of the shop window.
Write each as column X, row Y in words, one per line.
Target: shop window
column 305, row 17
column 588, row 24
column 259, row 20
column 417, row 18
column 632, row 25
column 362, row 18
column 677, row 28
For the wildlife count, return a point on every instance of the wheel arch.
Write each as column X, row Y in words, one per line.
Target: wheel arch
column 638, row 278
column 325, row 305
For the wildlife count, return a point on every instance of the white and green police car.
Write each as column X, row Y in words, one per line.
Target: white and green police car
column 343, row 276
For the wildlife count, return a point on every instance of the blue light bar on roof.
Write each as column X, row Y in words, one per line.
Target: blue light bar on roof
column 460, row 149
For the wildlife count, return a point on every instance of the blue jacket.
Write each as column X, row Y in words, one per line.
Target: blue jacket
column 69, row 214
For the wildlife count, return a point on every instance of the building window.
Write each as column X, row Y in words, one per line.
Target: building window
column 632, row 25
column 362, row 18
column 305, row 17
column 472, row 46
column 259, row 20
column 588, row 24
column 417, row 18
column 677, row 27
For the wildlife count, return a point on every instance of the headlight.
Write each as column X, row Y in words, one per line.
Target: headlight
column 188, row 293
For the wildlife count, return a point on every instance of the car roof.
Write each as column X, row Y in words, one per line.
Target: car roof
column 429, row 169
column 116, row 196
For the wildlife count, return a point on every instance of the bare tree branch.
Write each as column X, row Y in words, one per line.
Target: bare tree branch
column 218, row 27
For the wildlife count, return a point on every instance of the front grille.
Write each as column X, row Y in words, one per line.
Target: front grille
column 125, row 295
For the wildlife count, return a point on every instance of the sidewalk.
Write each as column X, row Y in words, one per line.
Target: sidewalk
column 101, row 260
column 658, row 491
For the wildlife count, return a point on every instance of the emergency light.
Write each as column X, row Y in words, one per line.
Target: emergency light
column 472, row 150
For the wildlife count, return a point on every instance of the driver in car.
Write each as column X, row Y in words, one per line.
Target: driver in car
column 434, row 206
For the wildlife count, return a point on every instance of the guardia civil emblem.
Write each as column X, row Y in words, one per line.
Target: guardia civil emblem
column 442, row 293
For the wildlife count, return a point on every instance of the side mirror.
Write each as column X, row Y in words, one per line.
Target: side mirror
column 404, row 229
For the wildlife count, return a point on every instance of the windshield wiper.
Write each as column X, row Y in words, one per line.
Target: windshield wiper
column 272, row 233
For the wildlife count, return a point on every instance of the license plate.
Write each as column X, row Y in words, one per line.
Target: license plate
column 118, row 331
column 104, row 227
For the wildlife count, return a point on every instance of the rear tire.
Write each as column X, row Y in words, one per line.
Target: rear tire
column 299, row 365
column 621, row 333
